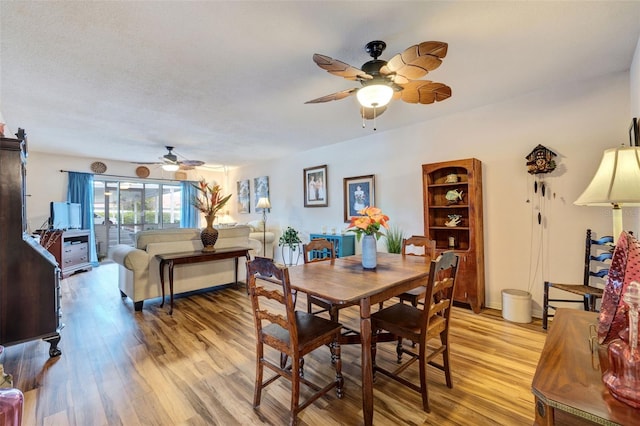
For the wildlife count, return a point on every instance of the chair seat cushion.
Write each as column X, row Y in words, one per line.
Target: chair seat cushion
column 579, row 289
column 310, row 327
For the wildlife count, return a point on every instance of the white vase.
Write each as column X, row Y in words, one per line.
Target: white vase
column 369, row 260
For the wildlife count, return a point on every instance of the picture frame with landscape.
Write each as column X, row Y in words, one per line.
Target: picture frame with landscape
column 359, row 192
column 315, row 186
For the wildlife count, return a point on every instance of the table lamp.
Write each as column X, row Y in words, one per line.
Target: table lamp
column 616, row 183
column 264, row 204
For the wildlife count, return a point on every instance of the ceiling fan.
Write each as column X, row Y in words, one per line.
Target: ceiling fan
column 397, row 78
column 171, row 163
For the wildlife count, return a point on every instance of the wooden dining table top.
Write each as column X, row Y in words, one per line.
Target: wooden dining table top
column 345, row 281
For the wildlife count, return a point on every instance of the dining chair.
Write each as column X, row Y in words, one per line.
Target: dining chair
column 293, row 333
column 417, row 246
column 421, row 324
column 318, row 250
column 597, row 259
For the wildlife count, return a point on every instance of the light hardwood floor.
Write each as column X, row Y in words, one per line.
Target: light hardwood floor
column 121, row 367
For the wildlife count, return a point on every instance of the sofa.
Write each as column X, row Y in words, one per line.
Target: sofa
column 138, row 268
column 257, row 227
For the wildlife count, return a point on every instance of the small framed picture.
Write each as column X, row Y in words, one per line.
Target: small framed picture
column 261, row 190
column 634, row 138
column 244, row 196
column 315, row 186
column 358, row 194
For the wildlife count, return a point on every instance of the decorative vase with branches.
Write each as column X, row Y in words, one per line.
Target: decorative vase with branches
column 209, row 201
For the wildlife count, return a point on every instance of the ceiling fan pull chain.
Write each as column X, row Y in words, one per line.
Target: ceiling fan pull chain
column 374, row 118
column 362, row 115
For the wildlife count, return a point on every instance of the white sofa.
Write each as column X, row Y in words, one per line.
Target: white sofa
column 257, row 227
column 138, row 268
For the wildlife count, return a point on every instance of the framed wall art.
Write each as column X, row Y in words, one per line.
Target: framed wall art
column 244, row 196
column 261, row 189
column 358, row 194
column 315, row 186
column 634, row 138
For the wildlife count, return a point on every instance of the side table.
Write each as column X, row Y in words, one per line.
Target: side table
column 172, row 259
column 344, row 245
column 568, row 379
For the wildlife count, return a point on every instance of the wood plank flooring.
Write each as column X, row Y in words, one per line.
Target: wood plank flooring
column 197, row 367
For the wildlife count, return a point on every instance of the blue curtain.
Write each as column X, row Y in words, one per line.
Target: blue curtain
column 81, row 191
column 190, row 215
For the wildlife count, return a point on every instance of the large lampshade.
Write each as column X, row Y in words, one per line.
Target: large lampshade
column 616, row 183
column 374, row 95
column 263, row 203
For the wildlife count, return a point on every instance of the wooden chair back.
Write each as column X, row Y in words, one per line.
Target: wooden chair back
column 597, row 256
column 318, row 249
column 268, row 281
column 439, row 296
column 422, row 245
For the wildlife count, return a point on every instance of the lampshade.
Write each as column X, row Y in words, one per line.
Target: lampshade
column 170, row 167
column 374, row 95
column 263, row 203
column 616, row 183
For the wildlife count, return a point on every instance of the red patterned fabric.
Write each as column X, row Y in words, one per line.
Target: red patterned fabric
column 625, row 267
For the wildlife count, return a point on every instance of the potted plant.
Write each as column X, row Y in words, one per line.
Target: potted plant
column 290, row 239
column 209, row 200
column 393, row 239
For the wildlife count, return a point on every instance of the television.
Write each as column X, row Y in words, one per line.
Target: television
column 65, row 215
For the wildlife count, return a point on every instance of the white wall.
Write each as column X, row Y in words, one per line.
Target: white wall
column 577, row 121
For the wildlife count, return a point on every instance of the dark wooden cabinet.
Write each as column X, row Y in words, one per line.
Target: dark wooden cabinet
column 29, row 275
column 443, row 206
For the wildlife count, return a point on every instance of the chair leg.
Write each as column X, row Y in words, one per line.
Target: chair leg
column 295, row 390
column 399, row 350
column 257, row 393
column 374, row 350
column 545, row 306
column 336, row 353
column 423, row 376
column 444, row 339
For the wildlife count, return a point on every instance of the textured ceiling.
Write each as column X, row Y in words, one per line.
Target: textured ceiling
column 225, row 81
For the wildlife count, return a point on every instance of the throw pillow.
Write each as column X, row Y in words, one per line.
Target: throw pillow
column 256, row 225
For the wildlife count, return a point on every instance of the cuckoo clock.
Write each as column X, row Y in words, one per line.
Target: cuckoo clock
column 540, row 160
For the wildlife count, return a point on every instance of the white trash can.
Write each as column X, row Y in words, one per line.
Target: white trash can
column 516, row 305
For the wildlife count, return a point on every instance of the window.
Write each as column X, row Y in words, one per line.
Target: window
column 124, row 207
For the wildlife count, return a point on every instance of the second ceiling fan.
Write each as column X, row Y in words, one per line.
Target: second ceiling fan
column 397, row 78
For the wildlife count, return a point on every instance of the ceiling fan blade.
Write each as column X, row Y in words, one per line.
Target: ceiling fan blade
column 416, row 61
column 370, row 114
column 424, row 92
column 334, row 96
column 191, row 163
column 339, row 68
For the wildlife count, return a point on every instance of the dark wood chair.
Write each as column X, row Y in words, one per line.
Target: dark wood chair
column 597, row 259
column 425, row 248
column 421, row 324
column 290, row 332
column 318, row 250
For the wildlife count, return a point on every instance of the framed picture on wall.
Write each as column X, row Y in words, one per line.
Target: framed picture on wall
column 315, row 186
column 261, row 189
column 634, row 138
column 358, row 194
column 244, row 196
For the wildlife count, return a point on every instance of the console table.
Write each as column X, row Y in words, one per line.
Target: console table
column 172, row 259
column 344, row 245
column 568, row 385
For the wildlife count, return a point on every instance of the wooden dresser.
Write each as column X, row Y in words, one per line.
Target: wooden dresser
column 70, row 248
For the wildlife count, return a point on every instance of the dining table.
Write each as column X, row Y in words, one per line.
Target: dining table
column 344, row 281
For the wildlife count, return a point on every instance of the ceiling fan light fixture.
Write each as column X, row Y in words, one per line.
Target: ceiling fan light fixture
column 374, row 95
column 170, row 167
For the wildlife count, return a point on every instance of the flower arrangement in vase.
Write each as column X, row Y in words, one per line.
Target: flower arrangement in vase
column 209, row 201
column 368, row 224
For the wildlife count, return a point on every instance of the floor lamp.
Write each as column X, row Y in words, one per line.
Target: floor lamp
column 616, row 183
column 264, row 204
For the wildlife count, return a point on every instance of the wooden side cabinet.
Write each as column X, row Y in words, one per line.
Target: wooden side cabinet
column 452, row 196
column 344, row 245
column 70, row 248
